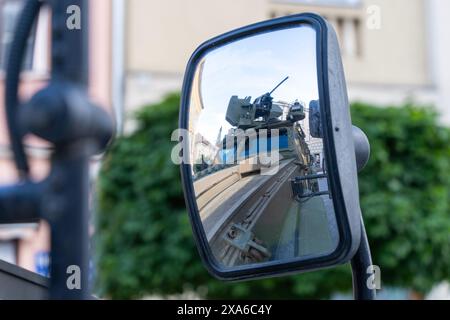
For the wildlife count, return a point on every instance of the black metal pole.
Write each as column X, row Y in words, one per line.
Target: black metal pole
column 16, row 54
column 70, row 47
column 69, row 182
column 62, row 115
column 361, row 263
column 68, row 214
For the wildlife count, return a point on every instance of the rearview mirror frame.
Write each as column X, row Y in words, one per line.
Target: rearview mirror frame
column 338, row 143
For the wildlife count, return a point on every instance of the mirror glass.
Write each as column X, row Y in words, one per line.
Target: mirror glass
column 257, row 153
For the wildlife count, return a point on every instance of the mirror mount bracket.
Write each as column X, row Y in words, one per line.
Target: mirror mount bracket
column 362, row 148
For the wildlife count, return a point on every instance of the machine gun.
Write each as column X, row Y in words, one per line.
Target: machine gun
column 244, row 114
column 263, row 113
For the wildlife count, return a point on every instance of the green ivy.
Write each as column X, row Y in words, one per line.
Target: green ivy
column 405, row 194
column 144, row 240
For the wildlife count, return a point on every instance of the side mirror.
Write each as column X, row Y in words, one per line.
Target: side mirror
column 270, row 177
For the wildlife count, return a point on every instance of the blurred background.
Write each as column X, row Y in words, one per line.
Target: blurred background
column 396, row 61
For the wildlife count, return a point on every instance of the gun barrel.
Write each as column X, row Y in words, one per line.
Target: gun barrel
column 285, row 79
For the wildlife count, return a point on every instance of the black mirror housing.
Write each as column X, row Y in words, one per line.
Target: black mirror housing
column 336, row 129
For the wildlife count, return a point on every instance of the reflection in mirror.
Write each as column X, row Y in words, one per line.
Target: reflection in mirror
column 256, row 149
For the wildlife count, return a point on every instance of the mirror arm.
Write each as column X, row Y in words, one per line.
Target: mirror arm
column 362, row 261
column 361, row 266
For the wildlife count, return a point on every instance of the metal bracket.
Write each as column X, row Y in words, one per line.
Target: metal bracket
column 244, row 240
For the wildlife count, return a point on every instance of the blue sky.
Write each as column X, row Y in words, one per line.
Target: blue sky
column 254, row 66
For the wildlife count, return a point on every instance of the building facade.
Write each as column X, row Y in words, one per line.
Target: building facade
column 393, row 51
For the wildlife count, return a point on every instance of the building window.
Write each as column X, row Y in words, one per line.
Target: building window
column 345, row 15
column 37, row 54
